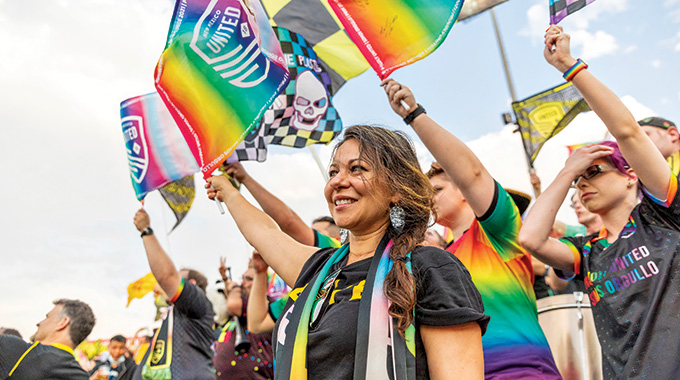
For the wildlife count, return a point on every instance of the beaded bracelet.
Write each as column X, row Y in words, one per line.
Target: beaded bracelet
column 571, row 73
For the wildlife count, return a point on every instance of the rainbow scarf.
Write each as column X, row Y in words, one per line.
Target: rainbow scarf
column 395, row 33
column 378, row 341
column 157, row 153
column 222, row 67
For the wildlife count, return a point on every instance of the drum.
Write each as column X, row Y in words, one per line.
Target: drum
column 567, row 322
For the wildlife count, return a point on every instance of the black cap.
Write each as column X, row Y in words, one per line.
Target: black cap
column 658, row 122
column 521, row 199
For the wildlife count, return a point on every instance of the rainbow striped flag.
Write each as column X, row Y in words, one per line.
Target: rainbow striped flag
column 221, row 69
column 395, row 33
column 156, row 151
column 572, row 148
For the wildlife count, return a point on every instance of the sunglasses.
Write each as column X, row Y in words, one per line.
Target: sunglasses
column 591, row 172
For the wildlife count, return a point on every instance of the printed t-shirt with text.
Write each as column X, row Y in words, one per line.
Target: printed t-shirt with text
column 445, row 295
column 634, row 288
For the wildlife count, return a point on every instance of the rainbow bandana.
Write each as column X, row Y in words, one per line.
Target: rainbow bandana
column 395, row 33
column 222, row 67
column 381, row 352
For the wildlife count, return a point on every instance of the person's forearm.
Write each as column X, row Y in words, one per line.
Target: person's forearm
column 264, row 235
column 235, row 301
column 284, row 216
column 538, row 223
column 257, row 303
column 161, row 265
column 608, row 107
column 458, row 161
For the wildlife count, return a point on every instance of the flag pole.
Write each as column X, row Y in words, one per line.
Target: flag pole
column 318, row 163
column 506, row 67
column 508, row 77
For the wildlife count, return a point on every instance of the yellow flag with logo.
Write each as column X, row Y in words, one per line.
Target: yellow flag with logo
column 141, row 287
column 544, row 115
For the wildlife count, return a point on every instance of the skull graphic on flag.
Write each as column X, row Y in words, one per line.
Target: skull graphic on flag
column 304, row 114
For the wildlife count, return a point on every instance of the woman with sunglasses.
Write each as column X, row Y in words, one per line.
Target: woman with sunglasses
column 381, row 306
column 631, row 267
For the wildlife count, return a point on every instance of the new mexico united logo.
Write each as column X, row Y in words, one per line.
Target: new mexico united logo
column 223, row 39
column 135, row 144
column 158, row 352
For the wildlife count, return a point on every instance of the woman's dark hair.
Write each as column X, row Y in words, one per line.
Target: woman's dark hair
column 397, row 169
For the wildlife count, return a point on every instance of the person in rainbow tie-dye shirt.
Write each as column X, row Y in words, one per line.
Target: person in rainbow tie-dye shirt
column 485, row 223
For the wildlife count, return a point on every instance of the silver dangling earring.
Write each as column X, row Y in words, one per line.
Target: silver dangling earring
column 397, row 218
column 344, row 234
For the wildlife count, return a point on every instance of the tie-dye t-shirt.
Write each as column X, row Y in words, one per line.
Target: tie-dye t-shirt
column 634, row 288
column 514, row 344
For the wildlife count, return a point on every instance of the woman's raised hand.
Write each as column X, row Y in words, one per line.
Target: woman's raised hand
column 557, row 51
column 398, row 95
column 583, row 157
column 219, row 187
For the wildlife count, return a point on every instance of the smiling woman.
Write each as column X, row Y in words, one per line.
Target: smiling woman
column 381, row 304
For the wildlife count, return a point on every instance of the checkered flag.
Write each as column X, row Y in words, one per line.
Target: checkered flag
column 313, row 19
column 303, row 114
column 559, row 9
column 254, row 146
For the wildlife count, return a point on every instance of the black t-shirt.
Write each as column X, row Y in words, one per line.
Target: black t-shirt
column 42, row 362
column 192, row 336
column 446, row 296
column 634, row 289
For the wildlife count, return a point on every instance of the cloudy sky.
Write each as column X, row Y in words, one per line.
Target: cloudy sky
column 67, row 203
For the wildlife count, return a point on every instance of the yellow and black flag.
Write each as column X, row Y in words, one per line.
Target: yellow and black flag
column 544, row 115
column 179, row 196
column 317, row 23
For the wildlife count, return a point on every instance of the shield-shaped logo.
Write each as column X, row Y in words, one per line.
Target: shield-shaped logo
column 158, row 352
column 135, row 144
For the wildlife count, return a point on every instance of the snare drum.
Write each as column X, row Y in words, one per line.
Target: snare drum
column 567, row 322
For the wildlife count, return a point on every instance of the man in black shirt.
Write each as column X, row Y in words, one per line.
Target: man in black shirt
column 51, row 356
column 180, row 350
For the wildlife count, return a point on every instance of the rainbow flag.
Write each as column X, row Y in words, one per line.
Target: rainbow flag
column 395, row 33
column 156, row 151
column 221, row 69
column 572, row 148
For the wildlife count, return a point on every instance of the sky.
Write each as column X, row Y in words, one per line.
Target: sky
column 67, row 201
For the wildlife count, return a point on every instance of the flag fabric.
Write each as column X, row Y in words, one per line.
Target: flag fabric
column 323, row 32
column 572, row 148
column 221, row 69
column 141, row 287
column 156, row 151
column 475, row 7
column 544, row 115
column 304, row 113
column 253, row 147
column 179, row 196
column 395, row 33
column 560, row 9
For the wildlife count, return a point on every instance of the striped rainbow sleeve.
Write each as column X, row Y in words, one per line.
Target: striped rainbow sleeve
column 178, row 292
column 577, row 259
column 670, row 196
